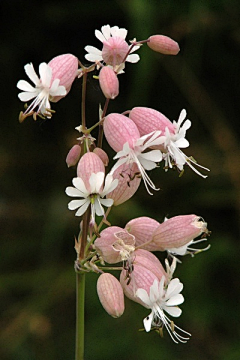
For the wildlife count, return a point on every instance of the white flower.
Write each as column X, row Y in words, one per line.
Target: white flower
column 45, row 89
column 162, row 299
column 144, row 160
column 114, row 49
column 94, row 196
column 174, row 142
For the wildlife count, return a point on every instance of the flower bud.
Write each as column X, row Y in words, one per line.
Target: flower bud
column 178, row 231
column 128, row 183
column 163, row 44
column 118, row 130
column 110, row 294
column 109, row 83
column 73, row 155
column 88, row 164
column 148, row 120
column 64, row 67
column 114, row 244
column 102, row 154
column 143, row 228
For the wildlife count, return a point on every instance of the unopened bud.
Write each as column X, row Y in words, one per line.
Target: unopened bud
column 102, row 154
column 163, row 44
column 110, row 294
column 73, row 155
column 109, row 83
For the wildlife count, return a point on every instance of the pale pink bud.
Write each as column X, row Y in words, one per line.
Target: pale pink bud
column 109, row 83
column 110, row 294
column 88, row 164
column 143, row 228
column 73, row 155
column 64, row 67
column 118, row 130
column 163, row 44
column 102, row 154
column 128, row 183
column 104, row 244
column 178, row 231
column 148, row 120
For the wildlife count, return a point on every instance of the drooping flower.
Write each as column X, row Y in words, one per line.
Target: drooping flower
column 177, row 234
column 89, row 185
column 159, row 299
column 172, row 136
column 54, row 82
column 115, row 49
column 93, row 196
column 123, row 136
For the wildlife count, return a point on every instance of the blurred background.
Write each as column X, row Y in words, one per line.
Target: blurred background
column 37, row 279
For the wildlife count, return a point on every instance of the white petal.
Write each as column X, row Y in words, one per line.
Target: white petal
column 106, row 202
column 182, row 143
column 147, row 165
column 83, row 208
column 154, row 155
column 133, row 58
column 98, row 207
column 161, row 287
column 45, row 72
column 25, row 86
column 26, row 96
column 74, row 204
column 110, row 185
column 79, row 184
column 106, row 32
column 122, row 33
column 173, row 311
column 29, row 69
column 154, row 292
column 143, row 296
column 174, row 288
column 147, row 322
column 182, row 116
column 175, row 300
column 96, row 181
column 71, row 191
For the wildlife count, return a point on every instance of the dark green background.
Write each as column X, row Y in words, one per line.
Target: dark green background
column 37, row 280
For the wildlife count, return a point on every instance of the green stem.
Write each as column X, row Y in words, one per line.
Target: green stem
column 80, row 300
column 100, row 133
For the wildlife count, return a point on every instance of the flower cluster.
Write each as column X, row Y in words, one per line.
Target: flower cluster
column 143, row 139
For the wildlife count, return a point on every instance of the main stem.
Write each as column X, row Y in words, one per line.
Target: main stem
column 80, row 299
